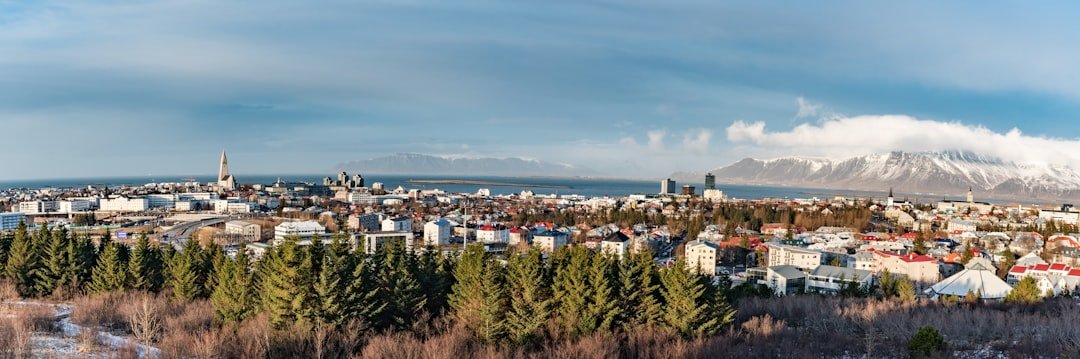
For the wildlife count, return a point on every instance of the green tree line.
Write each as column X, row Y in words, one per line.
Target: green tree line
column 517, row 300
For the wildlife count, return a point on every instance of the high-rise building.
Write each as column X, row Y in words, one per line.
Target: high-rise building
column 688, row 190
column 710, row 181
column 225, row 180
column 667, row 186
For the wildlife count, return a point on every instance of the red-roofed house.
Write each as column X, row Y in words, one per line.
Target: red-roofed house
column 919, row 268
column 1054, row 277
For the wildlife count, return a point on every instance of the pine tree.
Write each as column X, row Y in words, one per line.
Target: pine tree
column 213, row 258
column 21, row 261
column 184, row 272
column 363, row 297
column 493, row 304
column 530, row 301
column 53, row 272
column 1025, row 292
column 145, row 266
column 110, row 273
column 603, row 307
column 687, row 309
column 640, row 289
column 285, row 292
column 572, row 291
column 396, row 278
column 434, row 281
column 232, row 297
column 330, row 288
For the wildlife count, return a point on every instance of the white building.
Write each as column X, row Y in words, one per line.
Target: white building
column 804, row 259
column 373, row 241
column 123, row 204
column 75, row 205
column 437, row 233
column 831, row 279
column 616, row 244
column 248, row 232
column 701, row 257
column 37, row 207
column 10, row 220
column 549, row 241
column 304, row 230
column 489, row 233
column 667, row 186
column 397, row 224
column 1064, row 215
column 785, row 280
column 714, row 195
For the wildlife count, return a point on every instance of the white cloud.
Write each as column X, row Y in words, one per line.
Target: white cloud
column 656, row 139
column 806, row 108
column 860, row 135
column 697, row 140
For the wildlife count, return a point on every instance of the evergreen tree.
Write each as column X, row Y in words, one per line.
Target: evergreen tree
column 396, row 279
column 603, row 307
column 213, row 258
column 1025, row 292
column 493, row 304
column 283, row 284
column 640, row 288
column 474, row 298
column 21, row 261
column 110, row 273
column 434, row 281
column 572, row 291
column 184, row 272
column 53, row 272
column 145, row 266
column 687, row 309
column 530, row 301
column 233, row 297
column 362, row 294
column 330, row 288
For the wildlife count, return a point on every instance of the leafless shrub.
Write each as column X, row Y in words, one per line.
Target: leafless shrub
column 88, row 341
column 8, row 290
column 101, row 310
column 144, row 320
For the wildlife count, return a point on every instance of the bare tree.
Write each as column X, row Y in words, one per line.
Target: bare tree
column 145, row 323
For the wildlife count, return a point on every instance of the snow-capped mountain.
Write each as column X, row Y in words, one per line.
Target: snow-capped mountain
column 943, row 173
column 420, row 164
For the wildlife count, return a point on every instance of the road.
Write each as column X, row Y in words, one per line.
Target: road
column 178, row 234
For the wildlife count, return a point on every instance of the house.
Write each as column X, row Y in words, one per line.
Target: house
column 1055, row 278
column 550, row 240
column 437, row 232
column 397, row 224
column 701, row 257
column 804, row 259
column 616, row 244
column 493, row 233
column 831, row 279
column 784, row 280
column 916, row 267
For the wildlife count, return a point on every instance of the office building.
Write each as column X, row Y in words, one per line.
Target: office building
column 667, row 186
column 10, row 220
column 437, row 232
column 710, row 181
column 303, row 230
column 248, row 232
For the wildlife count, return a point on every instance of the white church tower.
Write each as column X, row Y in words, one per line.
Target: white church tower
column 225, row 180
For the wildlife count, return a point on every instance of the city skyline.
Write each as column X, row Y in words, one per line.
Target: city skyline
column 116, row 89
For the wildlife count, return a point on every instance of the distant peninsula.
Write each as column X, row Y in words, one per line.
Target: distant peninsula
column 485, row 183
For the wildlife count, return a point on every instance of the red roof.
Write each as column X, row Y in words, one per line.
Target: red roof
column 1058, row 266
column 1018, row 269
column 487, row 227
column 1041, row 267
column 912, row 257
column 910, row 235
column 1074, row 273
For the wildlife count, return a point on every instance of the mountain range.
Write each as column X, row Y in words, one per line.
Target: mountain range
column 421, row 164
column 931, row 173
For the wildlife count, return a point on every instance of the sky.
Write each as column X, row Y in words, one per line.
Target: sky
column 626, row 88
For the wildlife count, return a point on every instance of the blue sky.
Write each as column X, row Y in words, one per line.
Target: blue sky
column 628, row 88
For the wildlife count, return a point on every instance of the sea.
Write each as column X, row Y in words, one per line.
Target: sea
column 589, row 187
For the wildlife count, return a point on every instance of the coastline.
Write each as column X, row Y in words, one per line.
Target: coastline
column 485, row 183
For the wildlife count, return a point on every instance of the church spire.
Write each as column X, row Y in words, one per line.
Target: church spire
column 223, row 171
